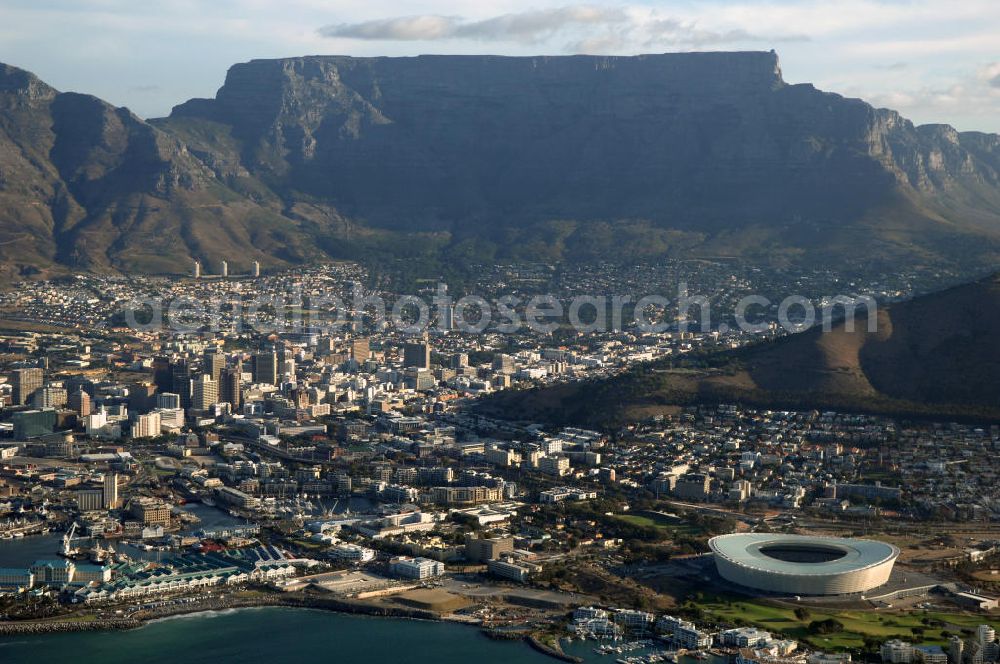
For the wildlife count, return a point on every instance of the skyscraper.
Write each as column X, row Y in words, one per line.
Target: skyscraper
column 141, row 397
column 180, row 375
column 503, row 363
column 229, row 387
column 283, row 353
column 111, row 499
column 25, row 382
column 168, row 400
column 417, row 354
column 447, row 317
column 361, row 350
column 204, row 392
column 80, row 402
column 213, row 363
column 162, row 375
column 147, row 425
column 49, row 397
column 265, row 367
column 286, row 371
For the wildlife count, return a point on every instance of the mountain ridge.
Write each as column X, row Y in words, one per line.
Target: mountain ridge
column 575, row 157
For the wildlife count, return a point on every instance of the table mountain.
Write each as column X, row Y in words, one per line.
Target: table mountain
column 481, row 157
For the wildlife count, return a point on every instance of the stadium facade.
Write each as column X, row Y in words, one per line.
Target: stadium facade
column 802, row 564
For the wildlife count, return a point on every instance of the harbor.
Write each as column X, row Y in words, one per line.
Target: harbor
column 21, row 551
column 637, row 651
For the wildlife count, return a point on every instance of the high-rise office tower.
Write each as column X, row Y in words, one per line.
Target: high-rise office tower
column 162, row 376
column 180, row 376
column 283, row 353
column 447, row 317
column 80, row 402
column 417, row 354
column 325, row 345
column 25, row 383
column 213, row 363
column 229, row 387
column 204, row 392
column 503, row 363
column 286, row 370
column 111, row 499
column 265, row 367
column 141, row 397
column 147, row 425
column 361, row 350
column 49, row 396
column 168, row 400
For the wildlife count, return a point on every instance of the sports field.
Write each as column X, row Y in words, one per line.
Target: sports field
column 932, row 627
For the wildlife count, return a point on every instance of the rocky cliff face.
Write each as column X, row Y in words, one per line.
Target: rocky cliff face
column 452, row 142
column 544, row 157
column 89, row 186
column 705, row 143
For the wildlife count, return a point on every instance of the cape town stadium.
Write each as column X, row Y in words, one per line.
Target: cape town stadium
column 803, row 565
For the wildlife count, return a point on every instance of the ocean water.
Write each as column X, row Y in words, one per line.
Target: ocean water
column 273, row 635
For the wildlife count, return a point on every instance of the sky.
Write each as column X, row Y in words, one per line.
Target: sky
column 932, row 60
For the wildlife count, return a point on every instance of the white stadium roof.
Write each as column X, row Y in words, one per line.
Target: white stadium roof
column 803, row 564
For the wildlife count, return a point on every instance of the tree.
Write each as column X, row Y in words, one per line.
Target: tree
column 828, row 626
column 872, row 643
column 802, row 613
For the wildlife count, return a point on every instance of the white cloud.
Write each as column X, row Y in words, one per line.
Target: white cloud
column 526, row 27
column 531, row 26
column 990, row 74
column 404, row 28
column 975, row 96
column 594, row 29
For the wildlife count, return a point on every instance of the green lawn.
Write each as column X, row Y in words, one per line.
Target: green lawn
column 857, row 624
column 652, row 520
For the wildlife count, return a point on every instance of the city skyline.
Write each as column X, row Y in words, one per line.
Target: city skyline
column 619, row 330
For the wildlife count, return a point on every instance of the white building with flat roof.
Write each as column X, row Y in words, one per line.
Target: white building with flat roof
column 352, row 552
column 416, row 568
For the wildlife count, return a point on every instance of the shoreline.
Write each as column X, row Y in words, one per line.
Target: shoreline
column 140, row 618
column 552, row 651
column 270, row 600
